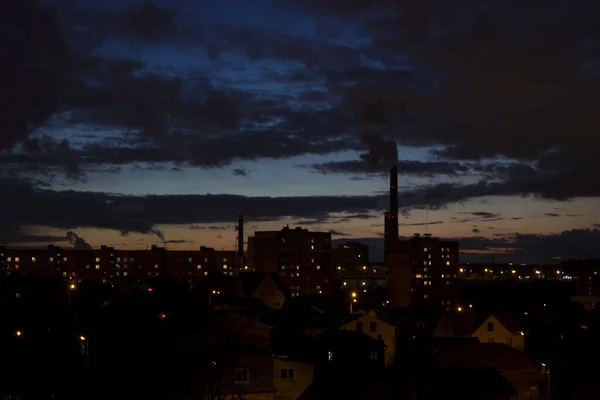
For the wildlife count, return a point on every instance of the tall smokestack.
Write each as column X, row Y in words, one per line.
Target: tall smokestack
column 393, row 230
column 386, row 234
column 240, row 237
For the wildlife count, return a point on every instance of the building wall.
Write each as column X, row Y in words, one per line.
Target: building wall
column 107, row 264
column 301, row 257
column 270, row 293
column 499, row 334
column 383, row 331
column 291, row 389
column 431, row 265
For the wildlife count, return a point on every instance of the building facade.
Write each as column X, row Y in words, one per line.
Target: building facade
column 422, row 271
column 302, row 258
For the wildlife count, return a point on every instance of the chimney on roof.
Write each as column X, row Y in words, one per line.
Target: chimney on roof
column 240, row 246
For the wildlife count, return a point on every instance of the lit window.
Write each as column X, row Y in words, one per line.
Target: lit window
column 118, row 273
column 298, row 274
column 447, row 262
column 297, row 267
column 225, row 266
column 87, row 266
column 51, row 259
column 205, row 273
column 97, row 259
column 329, row 356
column 10, row 258
column 242, row 375
column 33, row 259
column 425, row 296
column 65, row 273
column 118, row 259
column 224, row 259
column 318, row 267
column 199, row 267
column 155, row 266
column 425, row 249
column 312, row 247
column 97, row 266
column 424, row 269
column 125, row 273
column 16, row 259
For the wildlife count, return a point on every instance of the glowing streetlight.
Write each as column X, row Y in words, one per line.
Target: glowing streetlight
column 459, row 309
column 18, row 333
column 82, row 338
column 353, row 294
column 461, row 270
column 72, row 286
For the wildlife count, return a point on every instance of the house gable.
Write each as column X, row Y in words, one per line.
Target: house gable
column 495, row 330
column 378, row 330
column 270, row 293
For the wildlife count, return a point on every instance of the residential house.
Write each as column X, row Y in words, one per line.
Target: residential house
column 516, row 367
column 465, row 384
column 379, row 330
column 232, row 357
column 501, row 328
column 454, row 324
column 347, row 364
column 291, row 377
column 264, row 286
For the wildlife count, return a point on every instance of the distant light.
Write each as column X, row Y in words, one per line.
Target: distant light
column 364, row 267
column 485, row 270
column 522, row 333
column 82, row 338
column 149, row 289
column 461, row 270
column 513, row 271
column 18, row 333
column 470, row 305
column 353, row 294
column 459, row 309
column 72, row 286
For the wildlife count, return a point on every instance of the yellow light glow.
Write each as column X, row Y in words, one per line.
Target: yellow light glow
column 82, row 338
column 18, row 333
column 513, row 271
column 537, row 272
column 486, row 270
column 72, row 286
column 353, row 294
column 522, row 333
column 459, row 309
column 214, row 292
column 364, row 267
column 557, row 272
column 470, row 305
column 461, row 270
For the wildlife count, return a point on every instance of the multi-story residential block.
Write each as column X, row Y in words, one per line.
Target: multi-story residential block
column 302, row 258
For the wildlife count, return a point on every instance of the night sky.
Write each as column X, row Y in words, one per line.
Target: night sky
column 132, row 123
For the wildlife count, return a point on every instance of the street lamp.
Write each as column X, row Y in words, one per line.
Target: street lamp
column 546, row 370
column 352, row 302
column 18, row 333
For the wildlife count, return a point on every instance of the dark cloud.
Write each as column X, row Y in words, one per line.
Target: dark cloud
column 416, row 168
column 337, row 233
column 515, row 247
column 552, row 215
column 150, row 22
column 240, row 172
column 421, row 223
column 476, row 230
column 36, row 61
column 78, row 242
